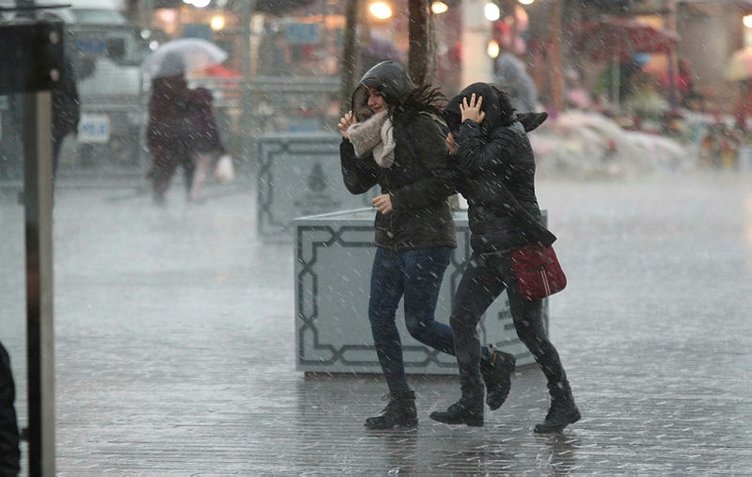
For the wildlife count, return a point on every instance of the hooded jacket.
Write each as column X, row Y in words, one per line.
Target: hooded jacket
column 419, row 181
column 496, row 160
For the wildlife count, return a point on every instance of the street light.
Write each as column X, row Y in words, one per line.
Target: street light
column 493, row 49
column 439, row 7
column 492, row 12
column 380, row 10
column 217, row 22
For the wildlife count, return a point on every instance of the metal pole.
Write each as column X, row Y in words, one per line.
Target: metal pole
column 39, row 280
column 672, row 57
column 38, row 202
column 349, row 63
column 247, row 145
column 557, row 80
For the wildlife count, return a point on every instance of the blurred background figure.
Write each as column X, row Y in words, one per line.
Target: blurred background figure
column 626, row 72
column 576, row 95
column 66, row 110
column 513, row 77
column 167, row 132
column 379, row 48
column 204, row 143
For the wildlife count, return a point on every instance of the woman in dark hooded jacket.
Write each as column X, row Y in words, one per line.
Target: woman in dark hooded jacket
column 393, row 138
column 496, row 160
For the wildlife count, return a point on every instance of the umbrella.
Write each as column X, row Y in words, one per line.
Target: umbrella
column 181, row 55
column 740, row 65
column 621, row 38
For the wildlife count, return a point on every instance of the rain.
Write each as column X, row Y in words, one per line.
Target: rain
column 210, row 313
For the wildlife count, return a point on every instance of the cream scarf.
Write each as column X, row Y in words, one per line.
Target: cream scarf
column 374, row 135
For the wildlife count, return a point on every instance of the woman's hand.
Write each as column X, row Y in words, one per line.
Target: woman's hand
column 383, row 203
column 345, row 122
column 452, row 144
column 471, row 110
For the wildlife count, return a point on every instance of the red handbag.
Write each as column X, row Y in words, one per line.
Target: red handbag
column 538, row 272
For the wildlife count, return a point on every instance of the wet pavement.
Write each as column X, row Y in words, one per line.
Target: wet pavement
column 175, row 342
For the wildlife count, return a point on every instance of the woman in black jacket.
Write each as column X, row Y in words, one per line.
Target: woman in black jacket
column 393, row 138
column 496, row 160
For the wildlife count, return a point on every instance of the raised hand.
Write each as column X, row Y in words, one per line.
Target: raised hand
column 472, row 110
column 345, row 122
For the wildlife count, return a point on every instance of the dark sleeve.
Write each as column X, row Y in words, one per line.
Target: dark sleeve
column 66, row 106
column 9, row 450
column 359, row 175
column 477, row 153
column 428, row 144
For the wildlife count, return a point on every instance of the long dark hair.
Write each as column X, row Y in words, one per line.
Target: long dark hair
column 426, row 98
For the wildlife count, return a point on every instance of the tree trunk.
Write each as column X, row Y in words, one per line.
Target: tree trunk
column 557, row 77
column 422, row 54
column 350, row 63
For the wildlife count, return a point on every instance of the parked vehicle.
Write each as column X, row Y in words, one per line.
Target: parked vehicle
column 106, row 50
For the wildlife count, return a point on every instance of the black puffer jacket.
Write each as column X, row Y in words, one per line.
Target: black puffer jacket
column 420, row 180
column 9, row 450
column 496, row 158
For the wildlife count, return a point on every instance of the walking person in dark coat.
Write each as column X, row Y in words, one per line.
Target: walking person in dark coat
column 494, row 155
column 66, row 110
column 392, row 138
column 204, row 141
column 167, row 132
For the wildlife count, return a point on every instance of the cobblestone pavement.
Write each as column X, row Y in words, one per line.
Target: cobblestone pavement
column 175, row 343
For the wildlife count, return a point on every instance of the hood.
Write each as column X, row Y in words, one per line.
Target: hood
column 389, row 77
column 493, row 105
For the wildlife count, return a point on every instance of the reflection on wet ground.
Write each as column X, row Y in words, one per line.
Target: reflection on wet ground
column 175, row 343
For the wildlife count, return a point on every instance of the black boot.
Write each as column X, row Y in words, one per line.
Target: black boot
column 400, row 412
column 563, row 411
column 461, row 412
column 497, row 374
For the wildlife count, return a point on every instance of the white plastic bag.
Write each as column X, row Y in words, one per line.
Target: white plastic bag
column 225, row 171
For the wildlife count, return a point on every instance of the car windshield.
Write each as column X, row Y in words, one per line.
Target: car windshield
column 99, row 16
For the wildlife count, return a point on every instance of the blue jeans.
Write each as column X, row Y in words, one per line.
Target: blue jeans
column 416, row 274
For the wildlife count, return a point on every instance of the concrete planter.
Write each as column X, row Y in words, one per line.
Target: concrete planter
column 334, row 254
column 299, row 175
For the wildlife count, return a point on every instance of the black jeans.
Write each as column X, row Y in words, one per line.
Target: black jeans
column 483, row 281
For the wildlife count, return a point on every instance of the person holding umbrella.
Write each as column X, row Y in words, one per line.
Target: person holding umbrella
column 167, row 133
column 393, row 138
column 491, row 149
column 181, row 130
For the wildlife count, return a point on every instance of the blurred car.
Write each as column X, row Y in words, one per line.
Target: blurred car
column 106, row 50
